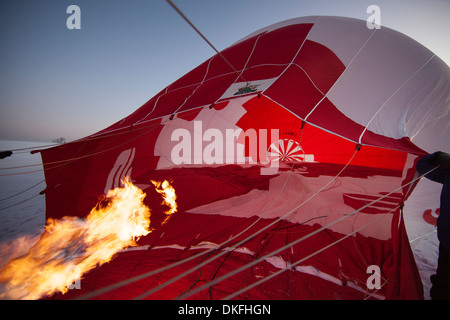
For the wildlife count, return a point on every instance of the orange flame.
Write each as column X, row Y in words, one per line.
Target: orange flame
column 168, row 192
column 72, row 246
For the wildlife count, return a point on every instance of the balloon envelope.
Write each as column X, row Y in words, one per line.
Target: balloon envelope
column 323, row 118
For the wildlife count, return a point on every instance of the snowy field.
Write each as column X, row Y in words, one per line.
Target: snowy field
column 22, row 209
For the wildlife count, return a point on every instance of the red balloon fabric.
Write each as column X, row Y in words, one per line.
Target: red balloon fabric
column 290, row 174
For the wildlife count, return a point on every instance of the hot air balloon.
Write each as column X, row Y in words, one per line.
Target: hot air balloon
column 291, row 169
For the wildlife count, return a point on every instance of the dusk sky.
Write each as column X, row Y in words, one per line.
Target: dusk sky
column 56, row 82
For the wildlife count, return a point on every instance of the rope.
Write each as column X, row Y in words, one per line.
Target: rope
column 124, row 131
column 423, row 236
column 148, row 274
column 310, row 256
column 20, row 202
column 23, row 191
column 245, row 240
column 242, row 268
column 340, row 76
column 128, row 281
column 399, row 88
column 240, row 75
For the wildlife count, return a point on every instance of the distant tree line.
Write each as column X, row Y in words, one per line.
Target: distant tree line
column 59, row 140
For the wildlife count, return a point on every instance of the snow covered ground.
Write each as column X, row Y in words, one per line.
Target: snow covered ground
column 22, row 209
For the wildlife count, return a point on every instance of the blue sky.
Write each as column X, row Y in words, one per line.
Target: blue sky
column 58, row 82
